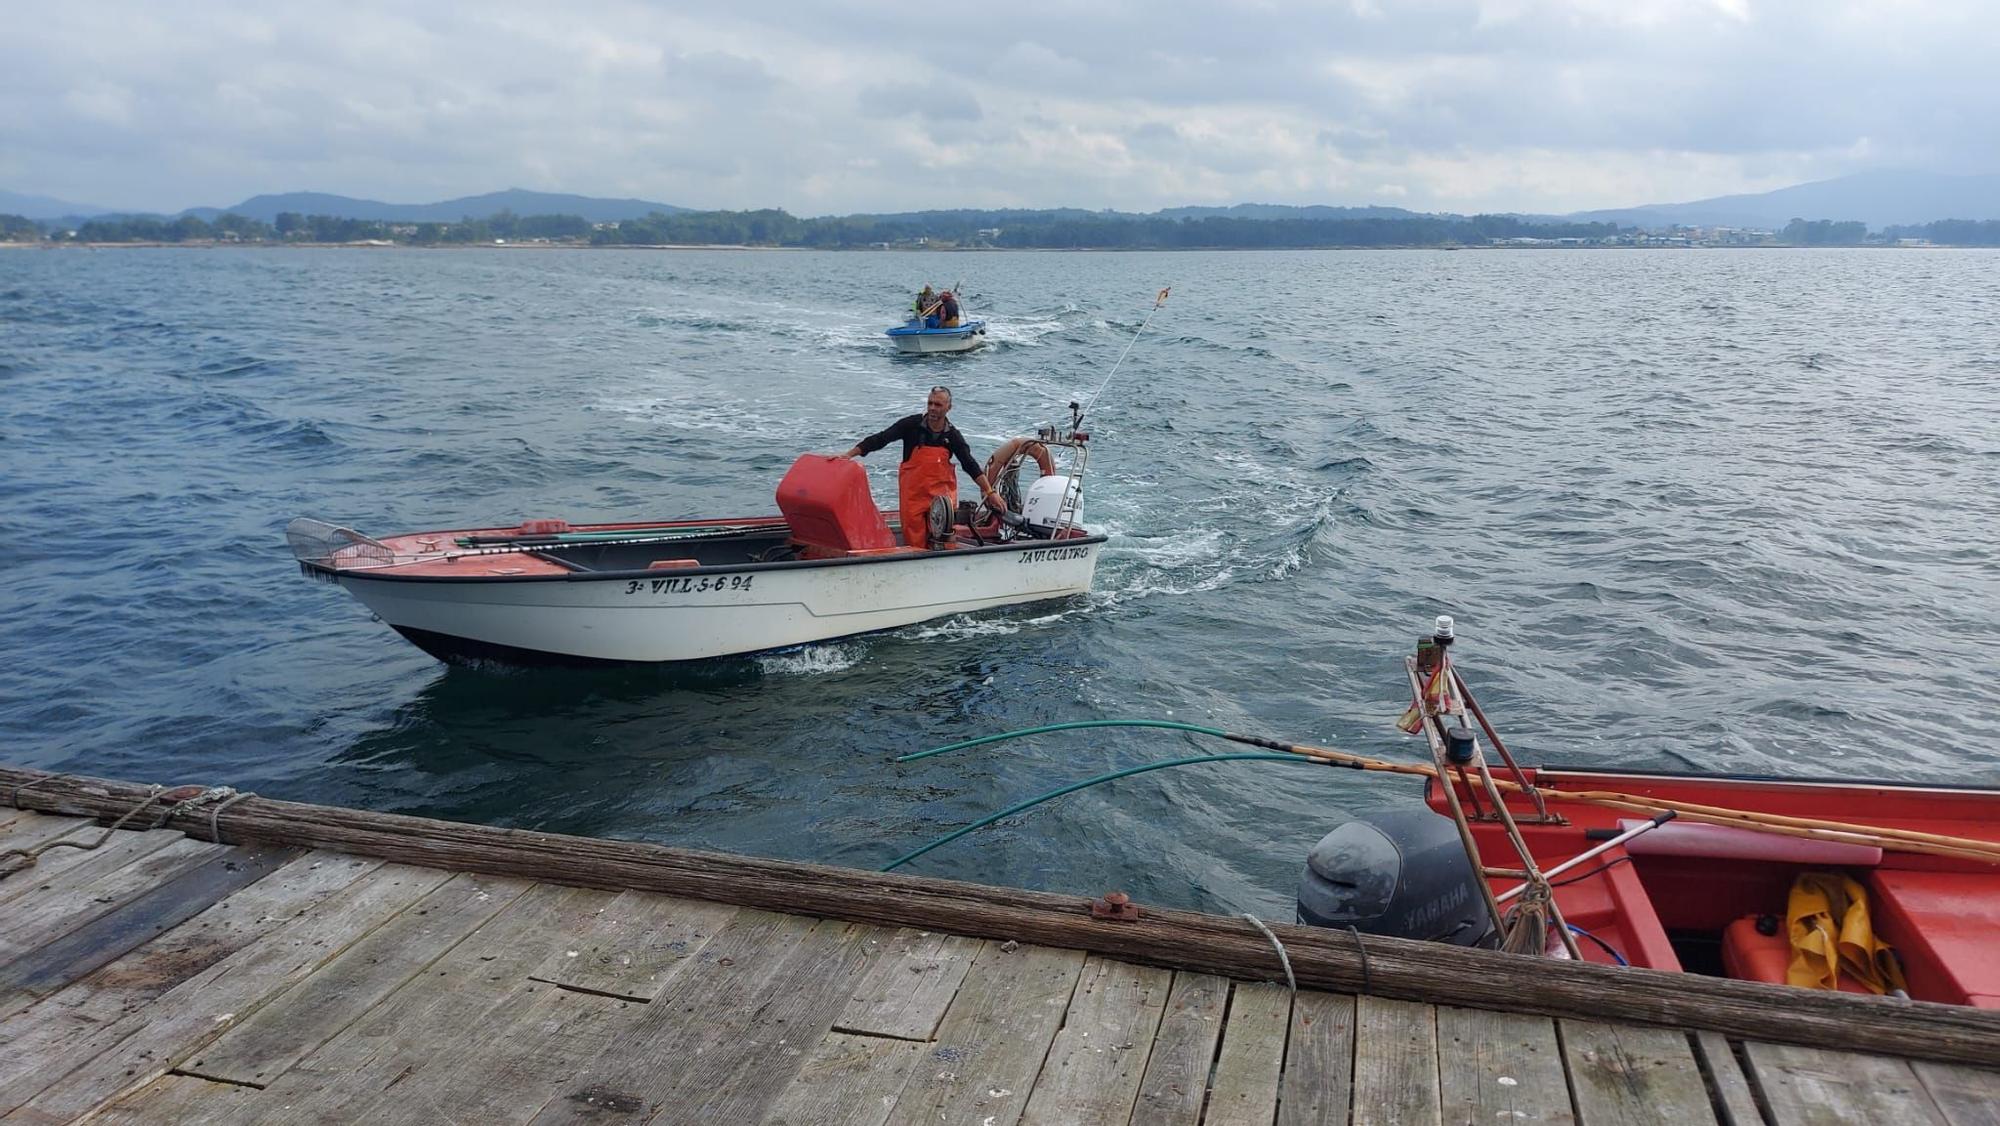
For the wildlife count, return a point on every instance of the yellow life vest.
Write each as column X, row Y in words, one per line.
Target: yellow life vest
column 1831, row 935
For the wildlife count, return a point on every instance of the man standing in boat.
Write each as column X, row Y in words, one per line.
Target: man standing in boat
column 930, row 442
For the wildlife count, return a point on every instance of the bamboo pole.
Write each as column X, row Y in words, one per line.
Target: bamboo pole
column 1888, row 838
column 1465, row 837
column 1520, row 776
column 1434, row 729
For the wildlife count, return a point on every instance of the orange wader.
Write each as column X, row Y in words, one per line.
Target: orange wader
column 928, row 473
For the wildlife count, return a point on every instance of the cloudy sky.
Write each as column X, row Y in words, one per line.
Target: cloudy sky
column 821, row 106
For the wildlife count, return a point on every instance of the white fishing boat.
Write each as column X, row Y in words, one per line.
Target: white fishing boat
column 829, row 565
column 916, row 337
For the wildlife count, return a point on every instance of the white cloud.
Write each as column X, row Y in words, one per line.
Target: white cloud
column 1542, row 105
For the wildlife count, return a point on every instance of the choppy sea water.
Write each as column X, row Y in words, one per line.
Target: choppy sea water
column 1708, row 511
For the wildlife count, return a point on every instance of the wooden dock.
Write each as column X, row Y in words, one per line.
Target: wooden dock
column 422, row 972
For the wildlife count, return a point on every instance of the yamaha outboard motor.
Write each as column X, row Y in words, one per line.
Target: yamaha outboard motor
column 1401, row 873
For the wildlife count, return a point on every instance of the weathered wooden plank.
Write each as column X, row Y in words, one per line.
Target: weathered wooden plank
column 1626, row 1074
column 178, row 1100
column 1814, row 1086
column 847, row 1080
column 146, row 1043
column 534, row 1044
column 28, row 829
column 71, row 867
column 484, row 984
column 285, row 1028
column 1500, row 1067
column 1244, row 1088
column 1966, row 1096
column 748, row 1059
column 993, row 1038
column 128, row 866
column 1176, row 1081
column 1095, row 1065
column 470, row 987
column 72, row 1025
column 471, row 979
column 1322, row 959
column 138, row 918
column 1396, row 1061
column 633, row 945
column 767, row 987
column 1319, row 1061
column 1735, row 1103
column 46, row 896
column 905, row 993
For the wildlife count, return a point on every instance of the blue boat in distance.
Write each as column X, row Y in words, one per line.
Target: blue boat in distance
column 913, row 336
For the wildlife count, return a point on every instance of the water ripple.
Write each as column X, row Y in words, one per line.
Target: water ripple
column 1720, row 511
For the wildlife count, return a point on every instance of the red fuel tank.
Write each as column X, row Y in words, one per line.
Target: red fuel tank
column 827, row 503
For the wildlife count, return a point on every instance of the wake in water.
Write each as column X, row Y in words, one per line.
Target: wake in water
column 812, row 660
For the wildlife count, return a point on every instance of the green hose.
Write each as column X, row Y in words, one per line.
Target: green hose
column 1164, row 723
column 1075, row 786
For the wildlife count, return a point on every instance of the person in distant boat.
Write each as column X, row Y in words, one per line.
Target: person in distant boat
column 1003, row 468
column 947, row 309
column 930, row 442
column 925, row 308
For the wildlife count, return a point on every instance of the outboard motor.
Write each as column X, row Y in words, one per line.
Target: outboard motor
column 1399, row 872
column 1052, row 502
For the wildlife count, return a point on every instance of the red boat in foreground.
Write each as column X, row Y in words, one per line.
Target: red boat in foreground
column 1866, row 887
column 1879, row 888
column 1714, row 899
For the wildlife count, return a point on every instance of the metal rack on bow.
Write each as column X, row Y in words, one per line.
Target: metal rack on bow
column 1442, row 708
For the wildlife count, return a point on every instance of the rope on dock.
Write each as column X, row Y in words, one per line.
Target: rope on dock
column 217, row 798
column 1284, row 959
column 1367, row 985
column 15, row 799
column 29, row 857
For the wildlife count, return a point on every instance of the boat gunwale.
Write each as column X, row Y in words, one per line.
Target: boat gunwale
column 965, row 329
column 387, row 574
column 1551, row 773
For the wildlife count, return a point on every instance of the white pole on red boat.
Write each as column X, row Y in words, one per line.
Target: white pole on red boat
column 1600, row 850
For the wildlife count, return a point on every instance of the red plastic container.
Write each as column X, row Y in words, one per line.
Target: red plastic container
column 827, row 503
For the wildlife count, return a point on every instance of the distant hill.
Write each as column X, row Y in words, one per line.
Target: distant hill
column 44, row 207
column 1286, row 211
column 521, row 202
column 1878, row 199
column 1001, row 217
column 982, row 215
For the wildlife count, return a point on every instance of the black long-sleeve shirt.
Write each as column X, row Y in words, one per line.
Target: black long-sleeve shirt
column 914, row 433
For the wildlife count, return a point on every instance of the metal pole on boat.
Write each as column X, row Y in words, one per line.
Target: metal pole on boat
column 1459, row 745
column 1600, row 850
column 1157, row 302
